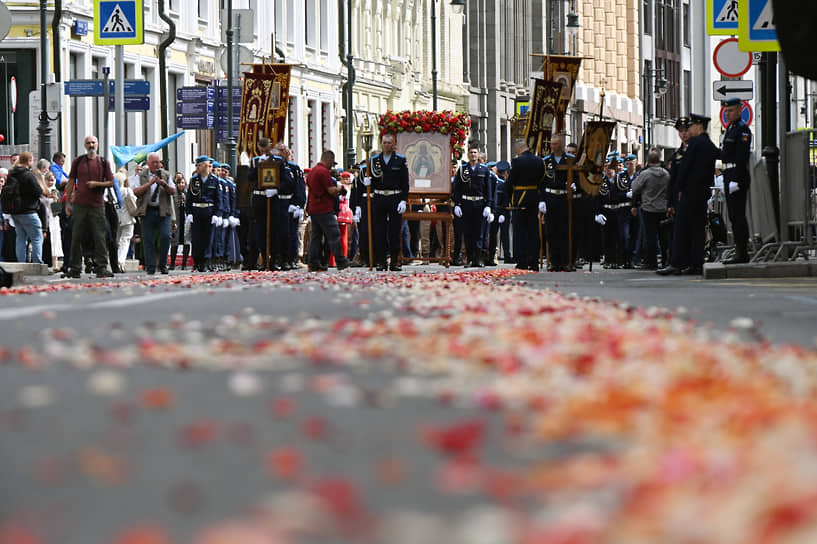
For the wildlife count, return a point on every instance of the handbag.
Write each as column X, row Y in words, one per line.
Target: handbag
column 130, row 204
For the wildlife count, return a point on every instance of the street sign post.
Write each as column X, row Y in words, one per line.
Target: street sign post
column 721, row 17
column 756, row 30
column 746, row 114
column 730, row 60
column 132, row 103
column 733, row 88
column 118, row 22
column 96, row 87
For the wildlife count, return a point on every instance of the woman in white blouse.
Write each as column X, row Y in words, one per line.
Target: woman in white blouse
column 126, row 220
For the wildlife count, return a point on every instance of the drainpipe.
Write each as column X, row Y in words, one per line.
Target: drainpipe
column 171, row 36
column 55, row 39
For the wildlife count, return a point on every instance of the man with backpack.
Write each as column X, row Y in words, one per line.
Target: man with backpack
column 21, row 199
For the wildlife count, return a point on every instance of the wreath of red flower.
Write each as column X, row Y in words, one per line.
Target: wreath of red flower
column 454, row 124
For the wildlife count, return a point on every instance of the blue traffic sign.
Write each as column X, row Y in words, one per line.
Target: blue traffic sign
column 132, row 103
column 722, row 17
column 118, row 22
column 222, row 93
column 756, row 30
column 133, row 87
column 195, row 108
column 195, row 94
column 190, row 122
column 85, row 87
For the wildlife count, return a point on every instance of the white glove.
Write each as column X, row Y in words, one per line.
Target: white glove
column 235, row 221
column 733, row 187
column 486, row 211
column 291, row 209
column 271, row 192
column 629, row 194
column 457, row 211
column 367, row 181
column 356, row 217
column 543, row 208
column 188, row 219
column 358, row 211
column 501, row 219
column 573, row 187
column 401, row 207
column 299, row 212
column 601, row 219
column 491, row 218
column 215, row 221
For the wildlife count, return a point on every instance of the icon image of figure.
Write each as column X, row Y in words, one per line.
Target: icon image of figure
column 268, row 178
column 423, row 163
column 253, row 112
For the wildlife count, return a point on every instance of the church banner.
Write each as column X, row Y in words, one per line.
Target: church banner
column 256, row 97
column 564, row 69
column 544, row 101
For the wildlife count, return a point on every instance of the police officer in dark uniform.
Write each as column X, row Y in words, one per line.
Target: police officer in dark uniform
column 202, row 203
column 695, row 175
column 682, row 126
column 389, row 180
column 525, row 186
column 555, row 194
column 737, row 142
column 471, row 195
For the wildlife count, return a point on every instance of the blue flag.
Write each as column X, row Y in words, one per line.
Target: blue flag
column 123, row 154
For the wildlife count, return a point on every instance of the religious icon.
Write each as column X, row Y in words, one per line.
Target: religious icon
column 269, row 174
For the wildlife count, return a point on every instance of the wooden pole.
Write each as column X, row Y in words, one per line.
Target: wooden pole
column 266, row 256
column 369, row 211
column 570, row 212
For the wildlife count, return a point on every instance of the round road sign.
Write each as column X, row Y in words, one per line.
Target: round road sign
column 746, row 114
column 730, row 60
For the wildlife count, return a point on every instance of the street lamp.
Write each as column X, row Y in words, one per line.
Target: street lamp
column 655, row 84
column 458, row 6
column 366, row 134
column 44, row 129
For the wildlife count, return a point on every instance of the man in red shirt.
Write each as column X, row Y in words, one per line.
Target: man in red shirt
column 89, row 177
column 323, row 190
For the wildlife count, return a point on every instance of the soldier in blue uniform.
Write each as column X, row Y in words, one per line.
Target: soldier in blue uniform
column 525, row 187
column 682, row 126
column 502, row 202
column 202, row 211
column 260, row 197
column 737, row 142
column 357, row 202
column 606, row 214
column 555, row 194
column 632, row 230
column 471, row 195
column 493, row 228
column 389, row 180
column 281, row 214
column 217, row 232
column 695, row 175
column 295, row 208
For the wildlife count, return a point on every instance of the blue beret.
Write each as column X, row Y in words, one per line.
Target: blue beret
column 732, row 102
column 226, row 167
column 503, row 166
column 630, row 157
column 203, row 158
column 490, row 164
column 216, row 164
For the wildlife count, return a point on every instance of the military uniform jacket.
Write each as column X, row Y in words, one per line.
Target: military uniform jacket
column 252, row 175
column 288, row 186
column 556, row 180
column 203, row 191
column 472, row 182
column 697, row 170
column 299, row 198
column 391, row 176
column 675, row 168
column 735, row 151
column 624, row 183
column 525, row 182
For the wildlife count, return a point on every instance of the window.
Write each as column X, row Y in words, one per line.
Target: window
column 309, row 22
column 290, row 21
column 324, row 22
column 687, row 91
column 648, row 17
column 310, row 127
column 686, row 25
column 325, row 126
column 203, row 12
column 291, row 113
column 279, row 19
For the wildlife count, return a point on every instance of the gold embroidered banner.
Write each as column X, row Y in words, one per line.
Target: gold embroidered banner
column 592, row 153
column 256, row 96
column 544, row 101
column 279, row 106
column 566, row 70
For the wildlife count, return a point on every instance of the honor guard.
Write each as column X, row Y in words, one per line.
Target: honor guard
column 471, row 194
column 525, row 187
column 217, row 233
column 357, row 202
column 502, row 200
column 682, row 126
column 295, row 209
column 263, row 199
column 202, row 211
column 555, row 195
column 281, row 213
column 611, row 200
column 232, row 246
column 737, row 142
column 631, row 234
column 389, row 180
column 492, row 228
column 695, row 175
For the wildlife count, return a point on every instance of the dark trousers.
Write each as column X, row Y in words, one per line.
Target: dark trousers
column 200, row 234
column 280, row 229
column 582, row 227
column 689, row 237
column 264, row 231
column 472, row 226
column 246, row 238
column 736, row 207
column 652, row 236
column 526, row 232
column 386, row 223
column 363, row 233
column 292, row 240
column 557, row 222
column 153, row 226
column 493, row 232
column 89, row 219
column 611, row 246
column 458, row 232
column 325, row 225
column 505, row 236
column 624, row 221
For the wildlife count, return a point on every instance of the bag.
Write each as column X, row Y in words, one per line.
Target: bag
column 111, row 210
column 717, row 227
column 130, row 204
column 11, row 200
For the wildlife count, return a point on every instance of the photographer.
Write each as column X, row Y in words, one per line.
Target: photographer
column 323, row 190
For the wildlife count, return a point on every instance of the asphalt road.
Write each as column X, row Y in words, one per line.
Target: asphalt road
column 102, row 432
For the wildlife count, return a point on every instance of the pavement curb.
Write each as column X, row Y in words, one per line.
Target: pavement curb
column 797, row 269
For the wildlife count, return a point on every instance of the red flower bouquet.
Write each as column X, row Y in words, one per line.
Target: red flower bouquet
column 445, row 122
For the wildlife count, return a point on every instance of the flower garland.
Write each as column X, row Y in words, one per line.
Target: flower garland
column 445, row 122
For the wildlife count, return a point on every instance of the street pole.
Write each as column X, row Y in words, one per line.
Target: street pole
column 770, row 151
column 434, row 55
column 348, row 127
column 231, row 143
column 119, row 97
column 106, row 94
column 44, row 129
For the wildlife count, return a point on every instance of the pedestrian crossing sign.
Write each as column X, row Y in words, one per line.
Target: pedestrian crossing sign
column 756, row 30
column 721, row 17
column 118, row 22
